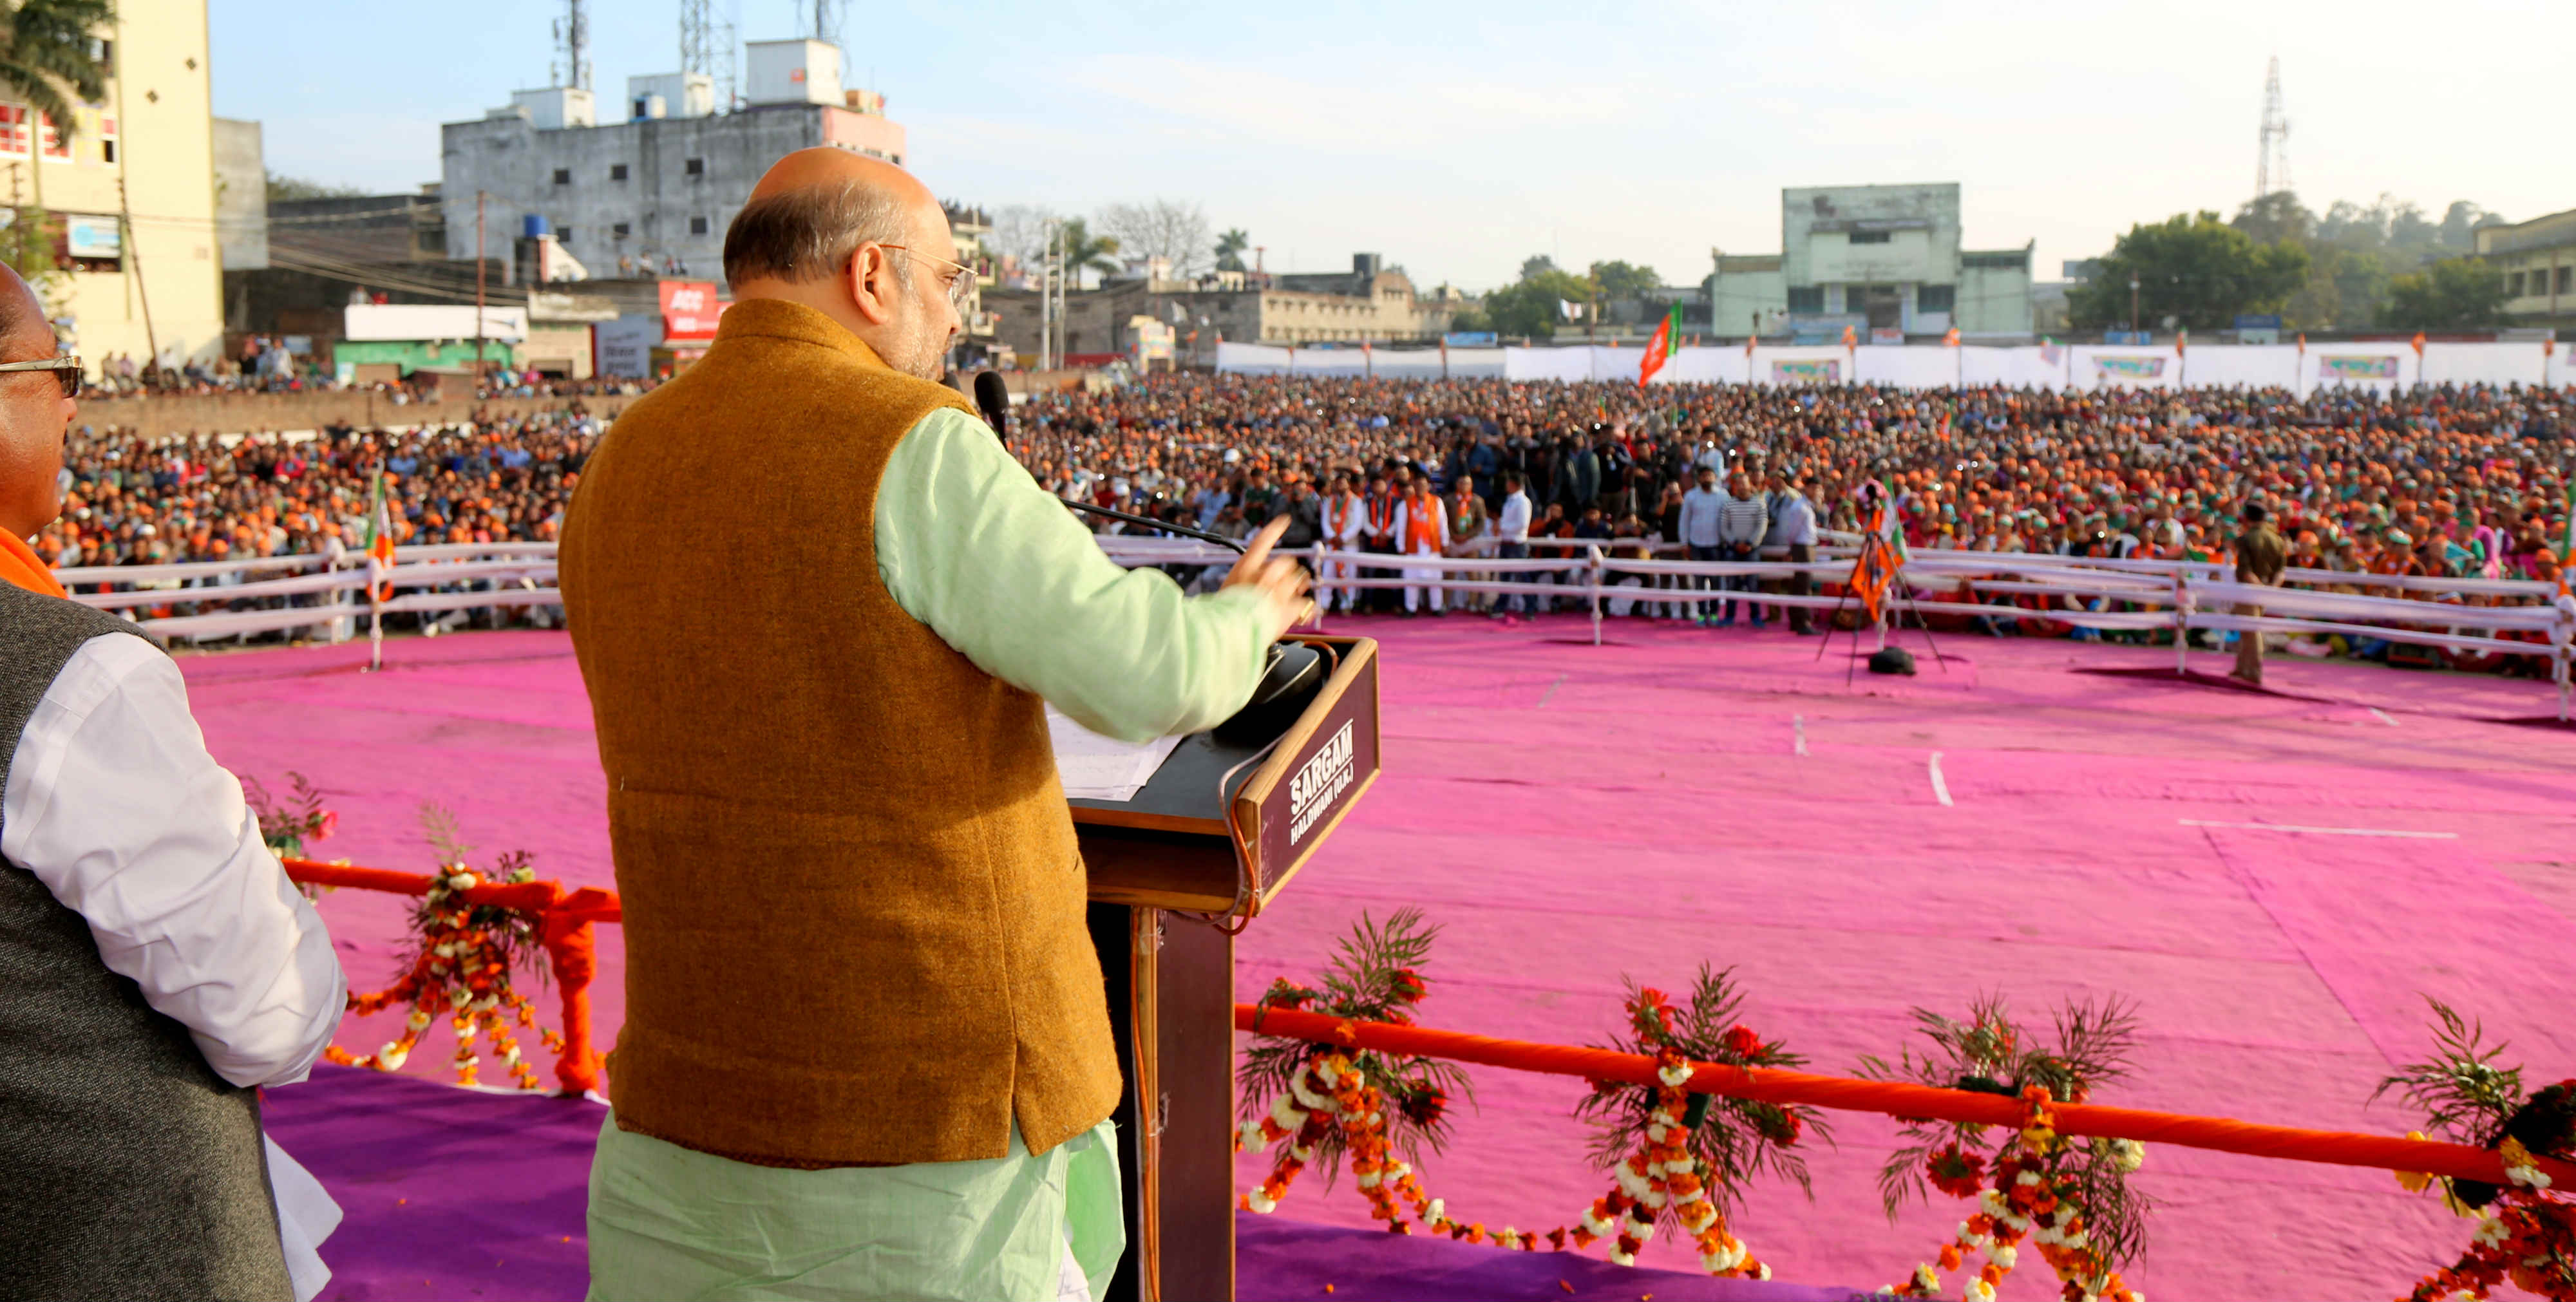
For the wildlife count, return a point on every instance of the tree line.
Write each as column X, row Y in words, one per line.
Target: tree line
column 2386, row 266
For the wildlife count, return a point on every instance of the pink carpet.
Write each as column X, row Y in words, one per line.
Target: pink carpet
column 1573, row 813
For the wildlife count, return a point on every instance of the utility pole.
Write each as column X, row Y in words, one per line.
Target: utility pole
column 478, row 288
column 125, row 218
column 2133, row 302
column 1046, row 299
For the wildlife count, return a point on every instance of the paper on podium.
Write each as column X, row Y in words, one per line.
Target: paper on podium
column 1094, row 767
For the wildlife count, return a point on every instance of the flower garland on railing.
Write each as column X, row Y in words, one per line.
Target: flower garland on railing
column 1678, row 1158
column 1675, row 1156
column 2071, row 1200
column 2526, row 1231
column 461, row 964
column 1327, row 1104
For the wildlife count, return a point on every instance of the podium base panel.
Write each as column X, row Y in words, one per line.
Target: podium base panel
column 1170, row 982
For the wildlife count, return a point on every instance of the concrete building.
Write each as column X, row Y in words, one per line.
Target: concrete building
column 654, row 193
column 1882, row 260
column 1370, row 303
column 128, row 188
column 332, row 234
column 2537, row 261
column 241, row 195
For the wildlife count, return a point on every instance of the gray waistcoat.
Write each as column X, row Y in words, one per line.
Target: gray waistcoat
column 128, row 1168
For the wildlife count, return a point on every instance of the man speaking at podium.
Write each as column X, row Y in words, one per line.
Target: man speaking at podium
column 817, row 606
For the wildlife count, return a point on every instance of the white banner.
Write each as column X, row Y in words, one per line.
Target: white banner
column 2043, row 367
column 2377, row 365
column 2099, row 367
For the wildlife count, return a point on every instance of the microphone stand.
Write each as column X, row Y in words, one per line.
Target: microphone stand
column 1149, row 522
column 993, row 399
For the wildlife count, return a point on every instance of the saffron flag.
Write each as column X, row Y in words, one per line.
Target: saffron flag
column 1882, row 554
column 1851, row 337
column 2417, row 343
column 1951, row 340
column 1660, row 348
column 380, row 543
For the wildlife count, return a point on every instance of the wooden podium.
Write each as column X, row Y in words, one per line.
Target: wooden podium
column 1175, row 872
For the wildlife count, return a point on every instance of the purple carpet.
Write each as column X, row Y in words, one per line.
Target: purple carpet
column 455, row 1193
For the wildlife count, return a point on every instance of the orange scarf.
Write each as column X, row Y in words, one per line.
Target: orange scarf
column 19, row 566
column 1422, row 522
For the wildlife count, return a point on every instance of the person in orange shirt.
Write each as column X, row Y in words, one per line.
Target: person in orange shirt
column 1421, row 529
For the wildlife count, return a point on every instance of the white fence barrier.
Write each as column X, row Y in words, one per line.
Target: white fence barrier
column 2179, row 596
column 329, row 593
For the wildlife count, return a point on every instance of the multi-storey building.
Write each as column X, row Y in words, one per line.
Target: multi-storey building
column 1370, row 303
column 126, row 190
column 1881, row 260
column 653, row 194
column 2537, row 263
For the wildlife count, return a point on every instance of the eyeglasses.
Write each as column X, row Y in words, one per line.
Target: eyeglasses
column 67, row 372
column 961, row 281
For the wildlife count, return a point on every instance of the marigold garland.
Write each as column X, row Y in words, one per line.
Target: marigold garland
column 2070, row 1200
column 2526, row 1230
column 1675, row 1157
column 1327, row 1104
column 461, row 967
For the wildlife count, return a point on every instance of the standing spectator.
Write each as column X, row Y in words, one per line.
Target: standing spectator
column 1793, row 525
column 1511, row 534
column 1741, row 524
column 1304, row 522
column 1697, row 525
column 2260, row 558
column 1384, row 504
column 1423, row 526
column 1343, row 515
column 1468, row 527
column 1260, row 499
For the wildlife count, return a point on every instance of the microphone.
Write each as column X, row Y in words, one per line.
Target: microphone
column 993, row 398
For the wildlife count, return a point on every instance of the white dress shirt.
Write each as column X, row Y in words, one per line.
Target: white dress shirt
column 1514, row 523
column 114, row 804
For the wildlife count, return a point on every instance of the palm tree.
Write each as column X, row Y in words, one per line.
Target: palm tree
column 1084, row 251
column 1229, row 250
column 49, row 52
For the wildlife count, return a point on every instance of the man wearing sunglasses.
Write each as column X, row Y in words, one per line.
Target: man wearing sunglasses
column 155, row 963
column 867, row 1050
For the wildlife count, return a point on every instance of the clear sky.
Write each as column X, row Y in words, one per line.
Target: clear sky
column 1458, row 139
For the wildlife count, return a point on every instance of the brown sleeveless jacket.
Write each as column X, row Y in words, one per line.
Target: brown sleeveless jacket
column 854, row 910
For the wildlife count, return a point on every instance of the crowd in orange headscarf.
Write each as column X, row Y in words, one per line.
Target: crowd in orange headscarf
column 129, row 500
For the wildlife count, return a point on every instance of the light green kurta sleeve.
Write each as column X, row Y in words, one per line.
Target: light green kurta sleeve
column 971, row 546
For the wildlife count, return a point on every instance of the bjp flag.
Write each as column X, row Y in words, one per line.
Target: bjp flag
column 1660, row 348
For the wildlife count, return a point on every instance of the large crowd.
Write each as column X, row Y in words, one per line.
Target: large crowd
column 2437, row 481
column 135, row 501
column 2444, row 481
